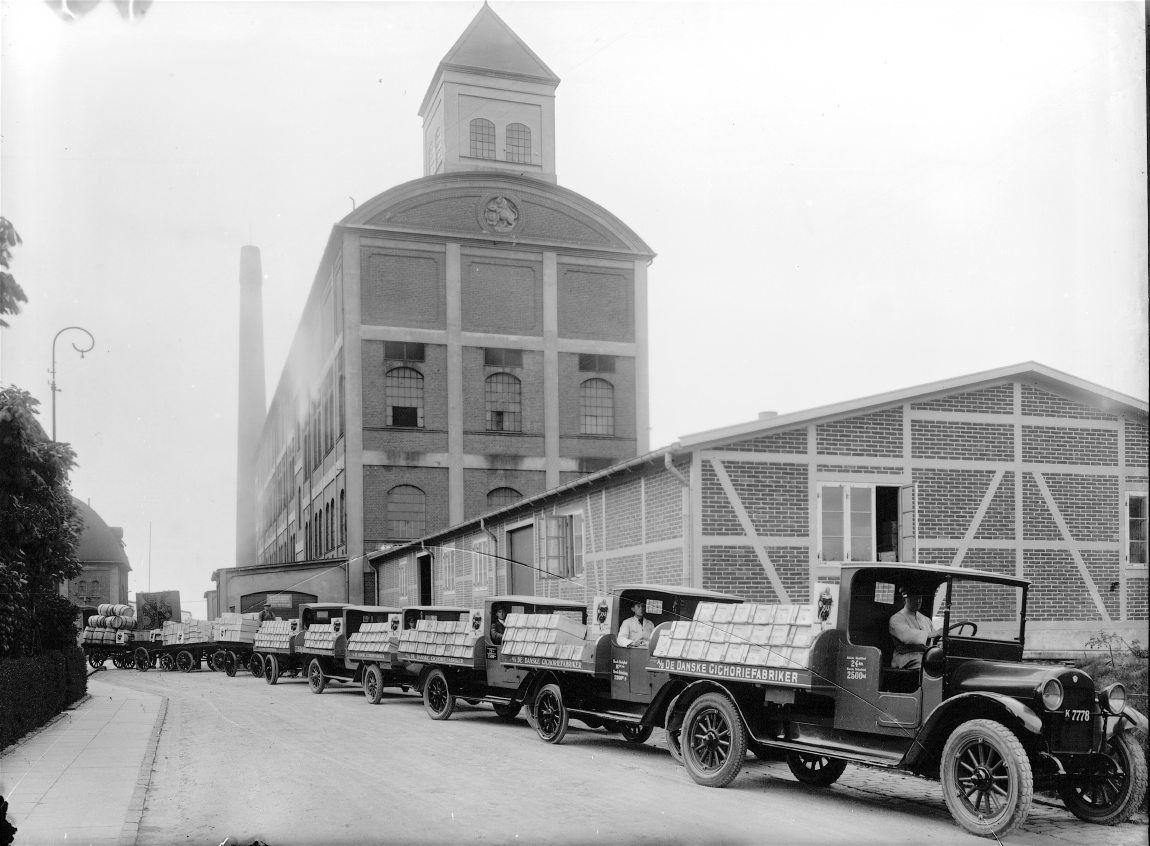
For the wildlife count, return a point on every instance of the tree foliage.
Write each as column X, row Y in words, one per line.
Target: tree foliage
column 11, row 294
column 39, row 530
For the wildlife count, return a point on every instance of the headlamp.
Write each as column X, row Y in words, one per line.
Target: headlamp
column 1052, row 695
column 1112, row 698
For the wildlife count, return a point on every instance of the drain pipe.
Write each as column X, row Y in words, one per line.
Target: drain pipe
column 674, row 471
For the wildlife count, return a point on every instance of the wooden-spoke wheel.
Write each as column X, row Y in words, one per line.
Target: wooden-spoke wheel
column 816, row 770
column 986, row 778
column 713, row 740
column 507, row 710
column 373, row 684
column 168, row 661
column 117, row 660
column 315, row 677
column 231, row 663
column 95, row 660
column 635, row 733
column 550, row 714
column 271, row 669
column 185, row 661
column 438, row 700
column 1109, row 791
column 256, row 665
column 143, row 659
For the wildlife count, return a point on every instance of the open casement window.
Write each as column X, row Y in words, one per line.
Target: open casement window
column 484, row 558
column 908, row 523
column 1136, row 529
column 846, row 523
column 559, row 545
column 447, row 561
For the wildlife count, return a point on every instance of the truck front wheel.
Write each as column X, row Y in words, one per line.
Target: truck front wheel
column 815, row 770
column 315, row 677
column 438, row 700
column 986, row 778
column 1109, row 791
column 551, row 714
column 713, row 741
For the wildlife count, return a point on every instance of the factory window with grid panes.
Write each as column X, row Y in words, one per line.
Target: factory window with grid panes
column 406, row 512
column 597, row 407
column 404, row 390
column 448, row 564
column 503, row 399
column 482, row 138
column 518, row 143
column 1136, row 529
column 499, row 497
column 483, row 554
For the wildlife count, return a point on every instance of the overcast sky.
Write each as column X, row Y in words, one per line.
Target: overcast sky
column 845, row 198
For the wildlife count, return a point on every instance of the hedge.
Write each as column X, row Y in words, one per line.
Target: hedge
column 34, row 689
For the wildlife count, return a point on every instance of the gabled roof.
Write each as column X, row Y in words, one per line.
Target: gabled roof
column 1090, row 393
column 489, row 46
column 99, row 544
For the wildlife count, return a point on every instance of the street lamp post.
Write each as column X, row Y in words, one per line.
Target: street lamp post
column 80, row 350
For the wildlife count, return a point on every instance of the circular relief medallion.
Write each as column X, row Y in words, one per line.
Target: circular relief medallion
column 499, row 213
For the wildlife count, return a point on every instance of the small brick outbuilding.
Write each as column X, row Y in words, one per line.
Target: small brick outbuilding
column 1022, row 470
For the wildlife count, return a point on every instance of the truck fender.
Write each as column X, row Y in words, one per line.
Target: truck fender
column 969, row 706
column 1131, row 719
column 677, row 707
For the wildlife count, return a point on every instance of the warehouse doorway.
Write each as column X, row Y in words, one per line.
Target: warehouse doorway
column 521, row 568
column 424, row 561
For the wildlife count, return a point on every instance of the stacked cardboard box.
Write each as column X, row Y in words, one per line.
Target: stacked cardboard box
column 195, row 631
column 373, row 639
column 438, row 639
column 321, row 637
column 236, row 631
column 276, row 635
column 546, row 636
column 758, row 635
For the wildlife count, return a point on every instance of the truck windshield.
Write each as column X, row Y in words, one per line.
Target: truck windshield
column 994, row 609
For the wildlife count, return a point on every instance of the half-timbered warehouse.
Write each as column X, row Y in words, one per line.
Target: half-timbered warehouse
column 1022, row 470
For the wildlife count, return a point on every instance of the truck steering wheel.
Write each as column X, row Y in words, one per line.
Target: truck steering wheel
column 973, row 627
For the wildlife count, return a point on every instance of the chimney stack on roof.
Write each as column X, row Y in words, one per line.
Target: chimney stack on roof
column 252, row 401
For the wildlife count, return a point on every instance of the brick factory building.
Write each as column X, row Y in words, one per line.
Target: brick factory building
column 471, row 337
column 1022, row 470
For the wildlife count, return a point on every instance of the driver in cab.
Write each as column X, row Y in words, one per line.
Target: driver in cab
column 912, row 632
column 636, row 630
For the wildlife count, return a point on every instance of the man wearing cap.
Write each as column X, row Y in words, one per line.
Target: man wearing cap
column 911, row 632
column 636, row 631
column 267, row 614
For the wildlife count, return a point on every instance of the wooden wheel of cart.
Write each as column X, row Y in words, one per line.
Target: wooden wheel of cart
column 507, row 710
column 315, row 677
column 815, row 770
column 373, row 684
column 95, row 660
column 143, row 659
column 550, row 714
column 271, row 669
column 635, row 733
column 185, row 661
column 256, row 665
column 230, row 663
column 438, row 700
column 168, row 661
column 713, row 740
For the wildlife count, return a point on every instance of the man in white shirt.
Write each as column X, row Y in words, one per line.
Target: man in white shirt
column 636, row 631
column 911, row 632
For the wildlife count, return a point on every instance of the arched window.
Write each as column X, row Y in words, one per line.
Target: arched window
column 482, row 138
column 406, row 512
column 597, row 407
column 404, row 389
column 500, row 497
column 307, row 540
column 502, row 395
column 334, row 542
column 518, row 143
column 342, row 518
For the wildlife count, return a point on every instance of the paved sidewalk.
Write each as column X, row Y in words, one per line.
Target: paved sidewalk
column 82, row 779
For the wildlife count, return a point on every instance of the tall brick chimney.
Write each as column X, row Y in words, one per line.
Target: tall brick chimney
column 252, row 401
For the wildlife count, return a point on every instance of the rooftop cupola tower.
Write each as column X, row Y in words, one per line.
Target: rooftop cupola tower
column 490, row 105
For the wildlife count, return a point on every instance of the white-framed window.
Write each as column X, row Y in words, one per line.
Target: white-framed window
column 1136, row 529
column 402, row 579
column 846, row 522
column 559, row 546
column 447, row 560
column 484, row 558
